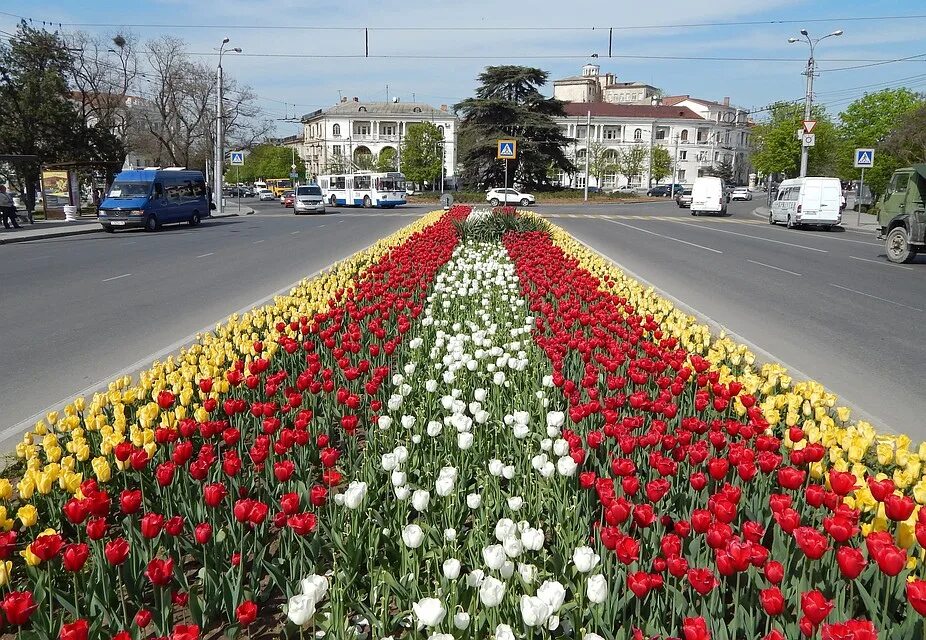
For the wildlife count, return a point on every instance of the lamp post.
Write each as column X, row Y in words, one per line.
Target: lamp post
column 220, row 130
column 809, row 72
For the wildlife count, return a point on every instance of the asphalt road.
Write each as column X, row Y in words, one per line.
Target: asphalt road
column 826, row 304
column 79, row 310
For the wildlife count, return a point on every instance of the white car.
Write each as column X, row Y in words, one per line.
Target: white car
column 741, row 193
column 265, row 194
column 308, row 199
column 496, row 197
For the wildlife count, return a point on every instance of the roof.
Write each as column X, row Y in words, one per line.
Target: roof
column 577, row 79
column 618, row 85
column 381, row 108
column 673, row 100
column 630, row 110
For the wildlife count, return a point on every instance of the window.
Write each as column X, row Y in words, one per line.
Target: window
column 362, row 128
column 681, row 175
column 362, row 109
column 336, row 150
column 158, row 191
column 609, row 180
column 581, row 132
column 441, row 129
column 388, row 129
column 637, row 134
column 612, row 133
column 336, row 131
column 416, row 110
column 682, row 155
column 362, row 182
column 684, row 136
column 580, row 182
column 338, row 183
column 661, row 134
column 899, row 183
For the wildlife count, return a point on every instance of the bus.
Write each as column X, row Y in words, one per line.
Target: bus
column 279, row 185
column 366, row 189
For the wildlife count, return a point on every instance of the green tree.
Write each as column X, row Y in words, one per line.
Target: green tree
column 722, row 170
column 602, row 161
column 907, row 141
column 632, row 161
column 661, row 164
column 386, row 160
column 778, row 149
column 265, row 161
column 508, row 104
column 422, row 153
column 867, row 122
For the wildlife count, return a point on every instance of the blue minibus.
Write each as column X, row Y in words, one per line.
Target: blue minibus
column 150, row 198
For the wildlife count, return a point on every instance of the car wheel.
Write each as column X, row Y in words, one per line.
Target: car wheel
column 771, row 218
column 897, row 246
column 194, row 219
column 367, row 203
column 494, row 202
column 525, row 202
column 694, row 213
column 791, row 224
column 333, row 200
column 151, row 223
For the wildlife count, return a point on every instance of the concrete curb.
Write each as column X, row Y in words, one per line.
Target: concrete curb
column 762, row 356
column 50, row 234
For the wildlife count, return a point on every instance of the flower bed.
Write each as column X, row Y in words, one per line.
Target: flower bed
column 463, row 439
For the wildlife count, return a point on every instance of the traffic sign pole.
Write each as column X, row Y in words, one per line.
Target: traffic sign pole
column 506, row 182
column 858, row 199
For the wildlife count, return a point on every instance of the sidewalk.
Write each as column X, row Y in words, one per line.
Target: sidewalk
column 850, row 220
column 45, row 229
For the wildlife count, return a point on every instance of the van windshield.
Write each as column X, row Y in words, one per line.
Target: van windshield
column 129, row 189
column 308, row 191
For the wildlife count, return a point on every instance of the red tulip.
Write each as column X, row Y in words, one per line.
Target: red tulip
column 302, row 524
column 151, row 525
column 246, row 613
column 77, row 630
column 283, row 470
column 702, row 580
column 96, row 528
column 851, row 562
column 772, row 600
column 214, row 494
column 774, row 572
column 695, row 629
column 18, row 607
column 116, row 551
column 164, row 473
column 639, row 583
column 143, row 618
column 774, row 634
column 160, row 572
column 880, row 489
column 791, row 478
column 891, row 559
column 122, row 635
column 46, row 547
column 318, row 495
column 185, row 632
column 815, row 606
column 203, row 532
column 75, row 511
column 813, row 543
column 842, row 482
column 898, row 508
column 165, row 400
column 916, row 596
column 75, row 556
column 849, row 630
column 130, row 501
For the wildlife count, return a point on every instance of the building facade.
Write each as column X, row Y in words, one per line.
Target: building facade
column 592, row 86
column 354, row 134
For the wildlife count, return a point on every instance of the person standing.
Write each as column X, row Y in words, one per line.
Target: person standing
column 7, row 209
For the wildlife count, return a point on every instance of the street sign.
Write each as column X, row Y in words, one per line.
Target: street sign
column 864, row 158
column 293, row 175
column 507, row 149
column 446, row 200
column 236, row 158
column 809, row 125
column 808, row 139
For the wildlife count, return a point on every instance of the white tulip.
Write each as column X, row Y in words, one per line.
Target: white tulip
column 556, row 418
column 451, row 569
column 532, row 539
column 399, row 478
column 480, row 394
column 512, row 547
column 443, row 487
column 473, row 500
column 538, row 461
column 401, row 453
column 505, row 528
column 421, row 499
column 552, row 432
column 474, row 407
column 408, row 421
column 520, row 431
column 553, row 623
column 546, row 444
column 498, row 378
column 414, row 343
column 446, row 402
column 515, row 503
column 508, row 420
column 441, row 636
column 461, row 620
column 547, row 470
column 411, row 366
column 561, row 447
column 450, row 534
column 585, row 559
column 315, row 586
column 464, row 441
column 416, row 439
column 430, row 386
column 592, row 636
column 597, row 589
column 412, row 536
column 394, row 402
column 507, row 570
column 534, row 611
column 397, row 379
column 495, row 467
column 566, row 466
column 429, row 611
column 522, row 417
column 503, row 632
column 434, row 428
column 475, row 578
column 508, row 471
column 553, row 593
column 301, row 609
column 491, row 591
column 482, row 416
column 384, row 422
column 339, row 499
column 389, row 462
column 402, row 493
column 494, row 556
column 355, row 493
column 528, row 572
column 547, row 381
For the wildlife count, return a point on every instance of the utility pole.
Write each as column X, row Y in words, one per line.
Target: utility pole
column 674, row 168
column 220, row 131
column 588, row 137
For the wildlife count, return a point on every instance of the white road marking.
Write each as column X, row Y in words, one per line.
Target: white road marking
column 206, row 255
column 321, row 226
column 292, row 233
column 258, row 241
column 124, row 275
column 868, row 295
column 770, row 266
column 653, row 233
column 746, row 235
column 882, row 263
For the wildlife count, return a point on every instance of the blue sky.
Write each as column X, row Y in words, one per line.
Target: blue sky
column 310, row 83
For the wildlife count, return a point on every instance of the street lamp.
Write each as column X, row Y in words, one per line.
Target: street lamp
column 220, row 130
column 809, row 72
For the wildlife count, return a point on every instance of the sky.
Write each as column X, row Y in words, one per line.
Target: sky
column 437, row 48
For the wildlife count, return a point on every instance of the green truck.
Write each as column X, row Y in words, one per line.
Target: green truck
column 902, row 214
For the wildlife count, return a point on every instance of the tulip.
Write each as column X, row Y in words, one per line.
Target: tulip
column 116, row 551
column 597, row 589
column 315, row 586
column 461, row 620
column 534, row 611
column 585, row 559
column 491, row 591
column 494, row 556
column 412, row 536
column 451, row 569
column 503, row 632
column 75, row 556
column 429, row 612
column 143, row 618
column 916, row 595
column 528, row 572
column 815, row 606
column 301, row 609
column 354, row 495
column 772, row 600
column 532, row 539
column 420, row 500
column 695, row 629
column 18, row 607
column 553, row 593
column 77, row 630
column 160, row 572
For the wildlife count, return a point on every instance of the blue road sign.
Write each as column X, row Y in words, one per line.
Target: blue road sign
column 864, row 158
column 507, row 149
column 236, row 157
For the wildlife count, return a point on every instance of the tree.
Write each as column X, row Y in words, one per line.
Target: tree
column 722, row 170
column 422, row 153
column 386, row 160
column 265, row 161
column 602, row 161
column 661, row 164
column 778, row 149
column 631, row 161
column 907, row 141
column 364, row 161
column 867, row 122
column 336, row 163
column 508, row 104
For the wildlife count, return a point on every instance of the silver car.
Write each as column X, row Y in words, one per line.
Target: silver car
column 308, row 199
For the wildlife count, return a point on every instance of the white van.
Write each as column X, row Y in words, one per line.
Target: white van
column 808, row 202
column 260, row 185
column 707, row 196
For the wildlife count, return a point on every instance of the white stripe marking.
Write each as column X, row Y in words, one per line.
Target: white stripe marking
column 762, row 264
column 124, row 275
column 653, row 233
column 868, row 295
column 745, row 235
column 883, row 264
column 206, row 255
column 258, row 241
column 292, row 233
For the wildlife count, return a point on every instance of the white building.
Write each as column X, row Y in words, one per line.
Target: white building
column 592, row 86
column 353, row 133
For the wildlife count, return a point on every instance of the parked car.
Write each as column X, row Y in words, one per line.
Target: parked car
column 707, row 196
column 683, row 199
column 496, row 197
column 741, row 193
column 901, row 214
column 309, row 199
column 150, row 198
column 265, row 195
column 808, row 202
column 660, row 191
column 239, row 192
column 626, row 189
column 288, row 199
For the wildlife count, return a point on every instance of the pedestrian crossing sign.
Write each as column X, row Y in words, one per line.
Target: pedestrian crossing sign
column 864, row 158
column 236, row 157
column 507, row 149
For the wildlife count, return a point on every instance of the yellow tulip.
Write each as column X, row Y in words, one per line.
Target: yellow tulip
column 6, row 489
column 101, row 469
column 28, row 515
column 26, row 487
column 885, row 454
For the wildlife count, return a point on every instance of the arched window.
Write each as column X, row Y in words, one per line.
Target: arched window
column 417, row 110
column 336, row 130
column 684, row 136
column 638, row 134
column 362, row 109
column 441, row 129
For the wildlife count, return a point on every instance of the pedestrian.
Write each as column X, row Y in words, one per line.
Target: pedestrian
column 7, row 209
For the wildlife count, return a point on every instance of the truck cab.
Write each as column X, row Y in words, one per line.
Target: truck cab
column 902, row 214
